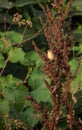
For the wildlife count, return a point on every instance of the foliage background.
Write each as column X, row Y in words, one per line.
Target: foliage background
column 20, row 74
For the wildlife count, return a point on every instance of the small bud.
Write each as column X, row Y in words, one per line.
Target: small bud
column 50, row 55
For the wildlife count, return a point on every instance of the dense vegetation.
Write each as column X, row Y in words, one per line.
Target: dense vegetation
column 38, row 92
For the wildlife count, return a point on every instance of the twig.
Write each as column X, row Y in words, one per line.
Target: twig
column 32, row 37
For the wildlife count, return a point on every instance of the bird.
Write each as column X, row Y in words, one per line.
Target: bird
column 50, row 55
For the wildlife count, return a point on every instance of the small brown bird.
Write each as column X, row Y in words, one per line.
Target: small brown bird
column 50, row 55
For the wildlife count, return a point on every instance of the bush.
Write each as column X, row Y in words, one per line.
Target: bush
column 40, row 65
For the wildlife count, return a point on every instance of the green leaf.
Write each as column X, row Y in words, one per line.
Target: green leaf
column 15, row 94
column 73, row 64
column 14, row 37
column 31, row 117
column 42, row 94
column 1, row 56
column 17, row 105
column 79, row 29
column 32, row 59
column 36, row 79
column 38, row 86
column 2, row 62
column 4, row 106
column 78, row 37
column 77, row 82
column 9, row 81
column 77, row 5
column 78, row 33
column 16, row 55
column 75, row 48
column 6, row 4
column 26, row 14
column 78, row 95
column 80, row 49
column 21, row 3
column 35, row 83
column 3, row 48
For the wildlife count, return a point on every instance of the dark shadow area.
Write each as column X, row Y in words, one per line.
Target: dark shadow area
column 16, row 69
